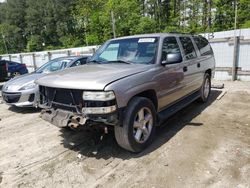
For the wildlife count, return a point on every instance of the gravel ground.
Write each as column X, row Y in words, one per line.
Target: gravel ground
column 204, row 145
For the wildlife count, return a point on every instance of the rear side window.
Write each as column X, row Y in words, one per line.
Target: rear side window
column 188, row 47
column 203, row 45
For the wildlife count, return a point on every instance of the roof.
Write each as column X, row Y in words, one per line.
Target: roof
column 155, row 35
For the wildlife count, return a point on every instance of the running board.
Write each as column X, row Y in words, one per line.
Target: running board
column 171, row 110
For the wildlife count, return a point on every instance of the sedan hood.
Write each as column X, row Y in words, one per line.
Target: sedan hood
column 15, row 84
column 91, row 76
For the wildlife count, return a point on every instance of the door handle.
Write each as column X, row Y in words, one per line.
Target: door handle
column 198, row 65
column 185, row 69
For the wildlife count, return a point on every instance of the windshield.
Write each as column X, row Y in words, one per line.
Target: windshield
column 133, row 50
column 54, row 65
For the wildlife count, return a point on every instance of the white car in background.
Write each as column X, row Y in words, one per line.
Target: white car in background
column 22, row 90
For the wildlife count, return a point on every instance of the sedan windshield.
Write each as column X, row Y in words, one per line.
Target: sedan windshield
column 54, row 65
column 133, row 50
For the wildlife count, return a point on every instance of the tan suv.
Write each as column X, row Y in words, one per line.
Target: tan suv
column 131, row 84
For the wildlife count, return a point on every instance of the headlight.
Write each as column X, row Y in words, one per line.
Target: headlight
column 98, row 95
column 28, row 86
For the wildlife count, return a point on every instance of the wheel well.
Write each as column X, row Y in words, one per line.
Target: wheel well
column 151, row 95
column 209, row 71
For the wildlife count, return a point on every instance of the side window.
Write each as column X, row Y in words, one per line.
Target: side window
column 79, row 62
column 83, row 61
column 188, row 47
column 170, row 46
column 203, row 46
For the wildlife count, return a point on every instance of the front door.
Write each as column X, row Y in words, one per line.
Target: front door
column 171, row 78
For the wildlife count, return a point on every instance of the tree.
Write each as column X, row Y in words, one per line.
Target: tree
column 28, row 24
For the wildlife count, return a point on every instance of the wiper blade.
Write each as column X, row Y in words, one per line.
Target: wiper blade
column 119, row 61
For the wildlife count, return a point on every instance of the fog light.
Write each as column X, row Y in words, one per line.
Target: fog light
column 98, row 110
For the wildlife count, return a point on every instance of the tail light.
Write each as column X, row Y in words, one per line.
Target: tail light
column 6, row 67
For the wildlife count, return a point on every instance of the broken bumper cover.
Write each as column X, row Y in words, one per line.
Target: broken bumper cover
column 59, row 118
column 63, row 118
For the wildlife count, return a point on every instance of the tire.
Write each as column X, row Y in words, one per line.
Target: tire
column 14, row 74
column 139, row 125
column 205, row 88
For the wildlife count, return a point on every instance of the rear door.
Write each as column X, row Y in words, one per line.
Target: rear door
column 206, row 58
column 12, row 66
column 192, row 79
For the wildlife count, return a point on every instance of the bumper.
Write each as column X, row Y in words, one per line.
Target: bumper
column 63, row 118
column 20, row 99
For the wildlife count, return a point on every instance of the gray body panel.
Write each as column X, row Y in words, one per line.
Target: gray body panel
column 13, row 86
column 91, row 77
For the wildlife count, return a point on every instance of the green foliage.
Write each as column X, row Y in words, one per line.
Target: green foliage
column 35, row 43
column 145, row 25
column 31, row 25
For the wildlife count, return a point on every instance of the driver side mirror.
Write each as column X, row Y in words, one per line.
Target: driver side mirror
column 172, row 58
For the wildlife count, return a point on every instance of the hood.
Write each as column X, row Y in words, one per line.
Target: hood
column 15, row 84
column 91, row 76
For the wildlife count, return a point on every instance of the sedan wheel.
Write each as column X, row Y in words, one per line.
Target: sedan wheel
column 16, row 74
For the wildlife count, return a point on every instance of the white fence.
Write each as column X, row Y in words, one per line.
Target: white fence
column 222, row 44
column 223, row 47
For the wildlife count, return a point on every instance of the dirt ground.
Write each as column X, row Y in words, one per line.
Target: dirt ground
column 203, row 145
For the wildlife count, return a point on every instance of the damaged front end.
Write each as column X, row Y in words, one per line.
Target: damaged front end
column 78, row 108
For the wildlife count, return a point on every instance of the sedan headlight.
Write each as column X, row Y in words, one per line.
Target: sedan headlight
column 98, row 95
column 28, row 86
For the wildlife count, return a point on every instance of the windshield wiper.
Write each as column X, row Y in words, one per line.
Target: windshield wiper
column 119, row 61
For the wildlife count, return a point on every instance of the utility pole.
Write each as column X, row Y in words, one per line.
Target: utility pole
column 113, row 24
column 235, row 55
column 85, row 32
column 184, row 16
column 209, row 14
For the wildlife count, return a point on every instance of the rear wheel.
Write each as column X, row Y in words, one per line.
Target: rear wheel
column 14, row 74
column 206, row 88
column 138, row 126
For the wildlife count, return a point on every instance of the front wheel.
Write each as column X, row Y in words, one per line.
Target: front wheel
column 138, row 126
column 205, row 89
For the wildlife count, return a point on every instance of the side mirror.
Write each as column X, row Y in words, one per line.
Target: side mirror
column 172, row 58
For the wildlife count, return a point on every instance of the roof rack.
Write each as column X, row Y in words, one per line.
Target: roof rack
column 176, row 32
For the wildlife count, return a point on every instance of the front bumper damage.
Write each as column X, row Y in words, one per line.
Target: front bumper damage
column 59, row 118
column 63, row 118
column 66, row 108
